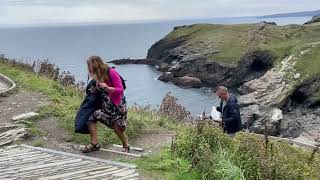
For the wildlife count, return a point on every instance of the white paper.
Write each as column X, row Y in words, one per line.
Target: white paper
column 215, row 114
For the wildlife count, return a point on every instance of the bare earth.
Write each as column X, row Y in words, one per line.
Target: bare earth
column 19, row 103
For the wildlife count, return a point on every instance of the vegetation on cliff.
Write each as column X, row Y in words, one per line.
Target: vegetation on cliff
column 231, row 42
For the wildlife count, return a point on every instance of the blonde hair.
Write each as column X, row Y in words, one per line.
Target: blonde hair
column 97, row 68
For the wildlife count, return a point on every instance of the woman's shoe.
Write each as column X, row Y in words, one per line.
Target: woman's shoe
column 91, row 147
column 126, row 149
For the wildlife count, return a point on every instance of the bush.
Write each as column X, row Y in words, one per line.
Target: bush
column 207, row 149
column 216, row 156
column 283, row 161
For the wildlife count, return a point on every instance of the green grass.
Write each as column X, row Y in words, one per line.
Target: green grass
column 39, row 143
column 165, row 166
column 234, row 40
column 309, row 64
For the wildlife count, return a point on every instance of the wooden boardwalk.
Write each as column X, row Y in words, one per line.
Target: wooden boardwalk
column 26, row 162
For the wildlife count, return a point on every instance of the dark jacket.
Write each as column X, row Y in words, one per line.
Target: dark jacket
column 231, row 115
column 90, row 103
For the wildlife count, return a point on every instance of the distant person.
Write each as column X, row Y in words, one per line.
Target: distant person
column 113, row 111
column 230, row 113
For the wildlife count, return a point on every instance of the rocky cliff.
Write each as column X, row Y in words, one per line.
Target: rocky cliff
column 228, row 55
column 315, row 19
column 276, row 68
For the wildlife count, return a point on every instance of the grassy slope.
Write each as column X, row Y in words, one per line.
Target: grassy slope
column 234, row 40
column 65, row 103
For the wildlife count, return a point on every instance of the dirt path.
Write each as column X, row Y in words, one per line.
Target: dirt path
column 19, row 103
column 57, row 138
column 13, row 105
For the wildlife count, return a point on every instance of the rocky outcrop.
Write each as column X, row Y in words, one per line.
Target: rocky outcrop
column 266, row 98
column 180, row 58
column 251, row 66
column 307, row 94
column 135, row 61
column 315, row 19
column 185, row 81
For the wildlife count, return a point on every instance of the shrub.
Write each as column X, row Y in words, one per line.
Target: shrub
column 216, row 156
column 283, row 160
column 206, row 147
column 171, row 108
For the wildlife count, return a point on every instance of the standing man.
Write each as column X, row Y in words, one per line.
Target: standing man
column 229, row 109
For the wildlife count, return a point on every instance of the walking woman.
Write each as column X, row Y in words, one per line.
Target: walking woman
column 113, row 111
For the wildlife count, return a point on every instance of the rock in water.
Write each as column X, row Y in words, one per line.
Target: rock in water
column 187, row 81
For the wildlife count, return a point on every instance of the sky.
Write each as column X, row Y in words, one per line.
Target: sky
column 80, row 11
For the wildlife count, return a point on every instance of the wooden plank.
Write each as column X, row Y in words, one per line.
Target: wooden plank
column 119, row 152
column 21, row 157
column 125, row 173
column 50, row 165
column 61, row 176
column 104, row 171
column 4, row 153
column 82, row 156
column 12, row 146
column 129, row 176
column 49, row 171
column 14, row 154
column 105, row 174
column 22, row 162
column 133, row 148
column 47, row 160
column 38, row 158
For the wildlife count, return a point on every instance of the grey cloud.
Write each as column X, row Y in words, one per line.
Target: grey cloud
column 65, row 3
column 25, row 11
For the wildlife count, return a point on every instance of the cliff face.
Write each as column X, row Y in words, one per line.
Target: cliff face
column 277, row 69
column 315, row 19
column 229, row 55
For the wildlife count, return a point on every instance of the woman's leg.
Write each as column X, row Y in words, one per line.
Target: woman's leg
column 93, row 133
column 122, row 135
column 93, row 146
